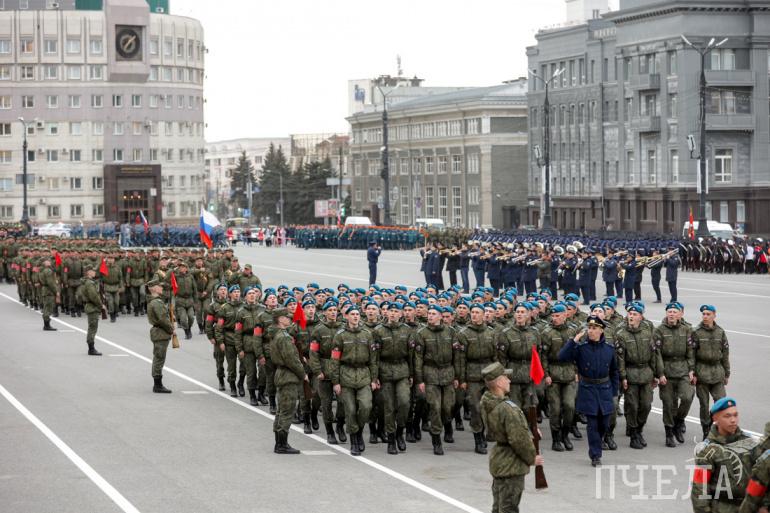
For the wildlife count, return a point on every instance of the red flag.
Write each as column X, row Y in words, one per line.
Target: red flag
column 691, row 229
column 57, row 259
column 299, row 317
column 535, row 367
column 174, row 285
column 103, row 268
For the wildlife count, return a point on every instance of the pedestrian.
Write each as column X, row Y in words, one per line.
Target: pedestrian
column 289, row 375
column 372, row 256
column 160, row 333
column 514, row 452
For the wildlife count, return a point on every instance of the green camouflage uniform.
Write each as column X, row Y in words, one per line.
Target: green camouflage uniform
column 289, row 374
column 639, row 362
column 678, row 361
column 478, row 351
column 321, row 345
column 394, row 371
column 160, row 334
column 712, row 366
column 224, row 333
column 354, row 367
column 514, row 346
column 92, row 306
column 562, row 391
column 437, row 364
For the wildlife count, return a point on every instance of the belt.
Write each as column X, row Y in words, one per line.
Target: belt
column 638, row 365
column 592, row 381
column 675, row 358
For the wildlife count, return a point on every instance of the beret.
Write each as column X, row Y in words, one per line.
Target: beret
column 635, row 307
column 675, row 305
column 289, row 300
column 436, row 308
column 571, row 297
column 710, row 308
column 559, row 308
column 329, row 304
column 312, row 285
column 410, row 304
column 722, row 404
column 234, row 288
column 477, row 306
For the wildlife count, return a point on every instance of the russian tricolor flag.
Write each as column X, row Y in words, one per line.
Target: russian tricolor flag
column 140, row 219
column 208, row 223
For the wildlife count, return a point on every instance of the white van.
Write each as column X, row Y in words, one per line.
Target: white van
column 427, row 222
column 357, row 221
column 717, row 229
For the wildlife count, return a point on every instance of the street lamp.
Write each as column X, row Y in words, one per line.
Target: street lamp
column 545, row 161
column 385, row 172
column 703, row 230
column 24, row 207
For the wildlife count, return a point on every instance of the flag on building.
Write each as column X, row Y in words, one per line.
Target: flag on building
column 207, row 224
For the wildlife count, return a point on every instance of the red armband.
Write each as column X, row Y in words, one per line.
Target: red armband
column 66, row 270
column 209, row 318
column 336, row 354
column 315, row 346
column 756, row 489
column 258, row 331
column 701, row 475
column 221, row 321
column 238, row 326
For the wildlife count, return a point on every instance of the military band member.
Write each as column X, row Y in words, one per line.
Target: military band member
column 712, row 363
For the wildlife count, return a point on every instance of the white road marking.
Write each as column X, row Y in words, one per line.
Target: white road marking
column 193, row 392
column 318, row 453
column 366, row 461
column 84, row 467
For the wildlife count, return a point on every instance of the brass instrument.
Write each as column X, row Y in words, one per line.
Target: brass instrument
column 534, row 262
column 642, row 261
column 660, row 258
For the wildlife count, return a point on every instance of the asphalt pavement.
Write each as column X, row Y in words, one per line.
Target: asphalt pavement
column 86, row 434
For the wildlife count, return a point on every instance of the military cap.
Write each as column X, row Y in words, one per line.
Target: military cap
column 572, row 297
column 222, row 285
column 410, row 304
column 182, row 263
column 87, row 268
column 559, row 308
column 153, row 283
column 449, row 309
column 436, row 308
column 635, row 307
column 312, row 285
column 280, row 312
column 593, row 320
column 247, row 266
column 524, row 305
column 676, row 305
column 477, row 306
column 595, row 305
column 289, row 300
column 396, row 306
column 710, row 308
column 494, row 370
column 329, row 304
column 233, row 288
column 248, row 289
column 722, row 404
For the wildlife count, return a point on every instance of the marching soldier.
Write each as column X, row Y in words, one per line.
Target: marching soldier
column 203, row 286
column 321, row 346
column 712, row 363
column 212, row 309
column 160, row 333
column 72, row 277
column 224, row 333
column 113, row 285
column 136, row 277
column 185, row 296
column 246, row 326
column 92, row 305
column 49, row 293
column 514, row 345
column 289, row 374
column 757, row 496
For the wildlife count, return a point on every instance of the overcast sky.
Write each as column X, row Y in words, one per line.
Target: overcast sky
column 280, row 67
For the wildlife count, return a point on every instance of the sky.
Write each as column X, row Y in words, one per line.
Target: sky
column 276, row 68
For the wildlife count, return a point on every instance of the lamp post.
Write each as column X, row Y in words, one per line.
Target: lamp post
column 24, row 207
column 703, row 229
column 385, row 171
column 545, row 161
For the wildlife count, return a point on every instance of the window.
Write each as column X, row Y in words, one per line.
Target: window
column 5, row 102
column 97, row 210
column 74, row 72
column 630, row 166
column 54, row 211
column 672, row 64
column 73, row 101
column 137, row 155
column 442, row 203
column 724, row 211
column 405, row 205
column 27, row 45
column 96, row 72
column 5, row 46
column 31, row 155
column 154, row 154
column 97, row 155
column 6, row 211
column 154, row 46
column 740, row 211
column 442, row 165
column 429, row 166
column 180, row 48
column 404, row 166
column 723, row 166
column 416, row 166
column 473, row 195
column 170, row 128
column 430, row 209
column 118, row 128
column 649, row 105
column 182, row 183
column 51, row 72
column 168, row 47
column 5, row 156
column 723, row 59
column 136, row 100
column 153, row 74
column 729, row 102
column 473, row 219
column 76, row 156
column 166, row 74
column 76, row 128
column 52, row 101
column 117, row 100
column 473, row 126
column 76, row 183
column 626, row 68
column 358, row 195
column 50, row 46
column 5, row 129
column 457, row 164
column 96, row 46
column 52, row 155
column 117, row 155
column 674, row 166
column 73, row 46
column 652, row 169
column 52, row 129
column 647, row 64
column 457, row 206
column 5, row 72
column 606, row 70
column 153, row 101
column 28, row 72
column 672, row 105
column 97, row 128
column 97, row 101
column 357, row 168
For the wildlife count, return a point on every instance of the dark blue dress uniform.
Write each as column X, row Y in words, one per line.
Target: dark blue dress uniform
column 372, row 256
column 584, row 280
column 629, row 279
column 599, row 383
column 672, row 273
column 594, row 262
column 529, row 275
column 610, row 275
column 568, row 280
column 479, row 267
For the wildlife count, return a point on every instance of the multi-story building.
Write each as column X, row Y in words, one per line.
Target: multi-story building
column 365, row 94
column 223, row 156
column 626, row 102
column 459, row 156
column 111, row 95
column 306, row 148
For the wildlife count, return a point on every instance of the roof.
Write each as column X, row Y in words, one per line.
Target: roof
column 513, row 91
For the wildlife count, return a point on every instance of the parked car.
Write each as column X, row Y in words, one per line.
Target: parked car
column 60, row 230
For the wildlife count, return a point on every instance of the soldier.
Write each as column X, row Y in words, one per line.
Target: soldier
column 514, row 345
column 49, row 293
column 353, row 374
column 160, row 333
column 224, row 333
column 722, row 462
column 136, row 277
column 712, row 363
column 246, row 327
column 672, row 273
column 266, row 368
column 185, row 297
column 559, row 378
column 673, row 338
column 73, row 274
column 437, row 369
column 289, row 374
column 203, row 285
column 113, row 285
column 372, row 256
column 476, row 342
column 212, row 309
column 757, row 498
column 610, row 272
column 394, row 375
column 640, row 363
column 92, row 304
column 514, row 451
column 321, row 345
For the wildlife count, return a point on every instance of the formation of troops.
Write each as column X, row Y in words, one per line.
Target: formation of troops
column 425, row 362
column 355, row 237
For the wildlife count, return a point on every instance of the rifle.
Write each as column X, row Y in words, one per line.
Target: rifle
column 540, row 482
column 103, row 299
column 306, row 389
column 172, row 318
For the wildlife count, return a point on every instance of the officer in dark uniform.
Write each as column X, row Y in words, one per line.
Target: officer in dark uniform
column 655, row 271
column 372, row 255
column 610, row 273
column 672, row 273
column 597, row 367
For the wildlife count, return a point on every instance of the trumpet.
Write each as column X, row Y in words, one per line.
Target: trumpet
column 660, row 258
column 534, row 262
column 642, row 261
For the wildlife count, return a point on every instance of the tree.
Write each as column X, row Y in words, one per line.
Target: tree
column 241, row 175
column 274, row 167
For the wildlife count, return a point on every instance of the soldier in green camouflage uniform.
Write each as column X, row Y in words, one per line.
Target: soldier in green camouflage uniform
column 185, row 298
column 308, row 408
column 160, row 333
column 266, row 379
column 246, row 327
column 353, row 373
column 137, row 276
column 321, row 345
column 757, row 495
column 224, row 333
column 71, row 279
column 113, row 284
column 514, row 452
column 49, row 293
column 712, row 363
column 478, row 350
column 514, row 345
column 289, row 374
column 210, row 320
column 204, row 284
column 92, row 304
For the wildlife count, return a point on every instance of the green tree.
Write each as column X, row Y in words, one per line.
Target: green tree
column 274, row 167
column 241, row 175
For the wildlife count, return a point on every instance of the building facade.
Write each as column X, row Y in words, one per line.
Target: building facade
column 459, row 156
column 111, row 95
column 628, row 98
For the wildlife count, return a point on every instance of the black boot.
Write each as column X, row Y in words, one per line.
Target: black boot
column 201, row 331
column 330, row 438
column 609, row 437
column 416, row 430
column 112, row 317
column 241, row 390
column 261, row 399
column 400, row 443
column 459, row 421
column 343, row 438
column 372, row 432
column 678, row 431
column 556, row 441
column 272, row 408
column 354, row 450
column 392, row 444
column 92, row 350
column 479, row 444
column 565, row 439
column 136, row 312
column 635, row 443
column 47, row 326
column 286, row 448
column 297, row 417
column 360, row 440
column 80, row 311
column 437, row 449
column 252, row 397
column 670, row 437
column 576, row 432
column 233, row 390
column 73, row 312
column 221, row 384
column 485, row 438
column 55, row 312
column 314, row 419
column 188, row 334
column 449, row 433
column 581, row 418
column 640, row 436
column 410, row 433
column 277, row 447
column 158, row 388
column 706, row 428
column 306, row 421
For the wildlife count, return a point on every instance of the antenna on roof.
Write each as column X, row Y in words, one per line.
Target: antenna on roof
column 398, row 66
